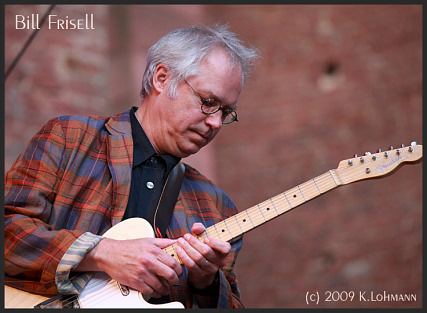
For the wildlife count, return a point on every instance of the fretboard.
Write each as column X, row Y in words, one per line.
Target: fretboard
column 263, row 212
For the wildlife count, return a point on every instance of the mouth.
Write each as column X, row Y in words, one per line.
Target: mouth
column 205, row 137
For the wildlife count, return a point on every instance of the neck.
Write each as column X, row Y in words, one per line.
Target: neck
column 148, row 122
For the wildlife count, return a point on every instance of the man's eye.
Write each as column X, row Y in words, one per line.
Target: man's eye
column 211, row 103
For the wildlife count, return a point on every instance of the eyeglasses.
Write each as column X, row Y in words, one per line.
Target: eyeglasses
column 211, row 106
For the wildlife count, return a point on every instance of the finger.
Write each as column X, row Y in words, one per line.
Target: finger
column 219, row 246
column 167, row 259
column 198, row 228
column 154, row 287
column 163, row 242
column 185, row 258
column 196, row 250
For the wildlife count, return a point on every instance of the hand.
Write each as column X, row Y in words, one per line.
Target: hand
column 138, row 263
column 203, row 259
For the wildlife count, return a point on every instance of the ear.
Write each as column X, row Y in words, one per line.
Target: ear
column 161, row 77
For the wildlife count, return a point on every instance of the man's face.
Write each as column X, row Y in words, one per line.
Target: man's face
column 186, row 128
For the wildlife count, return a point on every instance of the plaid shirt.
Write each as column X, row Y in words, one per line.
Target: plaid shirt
column 70, row 185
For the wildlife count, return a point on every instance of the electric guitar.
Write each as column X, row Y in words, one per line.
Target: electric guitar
column 103, row 292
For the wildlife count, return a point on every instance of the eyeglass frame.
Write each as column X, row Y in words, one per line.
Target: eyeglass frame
column 231, row 112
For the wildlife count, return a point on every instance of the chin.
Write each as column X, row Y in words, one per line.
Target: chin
column 189, row 150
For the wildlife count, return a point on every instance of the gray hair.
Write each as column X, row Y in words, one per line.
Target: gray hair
column 183, row 50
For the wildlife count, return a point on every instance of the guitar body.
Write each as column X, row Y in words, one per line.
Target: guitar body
column 101, row 291
column 15, row 298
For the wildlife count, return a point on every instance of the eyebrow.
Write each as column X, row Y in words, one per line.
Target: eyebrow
column 211, row 95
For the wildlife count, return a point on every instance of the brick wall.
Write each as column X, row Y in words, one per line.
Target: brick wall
column 62, row 72
column 332, row 81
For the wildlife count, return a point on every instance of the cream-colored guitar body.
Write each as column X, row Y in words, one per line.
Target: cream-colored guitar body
column 101, row 291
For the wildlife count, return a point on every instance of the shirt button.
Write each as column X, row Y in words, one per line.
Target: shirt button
column 153, row 160
column 150, row 185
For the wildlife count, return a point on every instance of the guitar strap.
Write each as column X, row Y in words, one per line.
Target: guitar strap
column 168, row 199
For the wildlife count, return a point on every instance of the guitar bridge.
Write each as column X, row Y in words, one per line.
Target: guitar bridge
column 124, row 289
column 59, row 302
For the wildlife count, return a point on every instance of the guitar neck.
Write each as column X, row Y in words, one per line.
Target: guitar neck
column 263, row 212
column 368, row 166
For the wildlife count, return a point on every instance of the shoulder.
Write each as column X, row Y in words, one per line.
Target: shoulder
column 78, row 126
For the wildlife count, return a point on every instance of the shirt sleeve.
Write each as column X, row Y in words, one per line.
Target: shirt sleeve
column 74, row 284
column 34, row 245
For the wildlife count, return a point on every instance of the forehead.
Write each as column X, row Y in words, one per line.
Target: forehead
column 218, row 78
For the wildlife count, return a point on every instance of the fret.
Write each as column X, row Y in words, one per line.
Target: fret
column 309, row 190
column 287, row 199
column 222, row 226
column 317, row 186
column 294, row 197
column 204, row 234
column 333, row 176
column 301, row 193
column 259, row 208
column 171, row 251
column 282, row 204
column 255, row 215
column 219, row 235
column 234, row 232
column 271, row 200
column 237, row 221
column 325, row 182
column 268, row 212
column 245, row 221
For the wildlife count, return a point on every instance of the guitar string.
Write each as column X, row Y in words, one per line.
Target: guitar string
column 323, row 182
column 74, row 298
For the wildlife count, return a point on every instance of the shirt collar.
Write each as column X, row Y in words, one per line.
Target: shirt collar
column 142, row 149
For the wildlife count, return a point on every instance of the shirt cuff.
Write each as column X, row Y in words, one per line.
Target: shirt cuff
column 74, row 255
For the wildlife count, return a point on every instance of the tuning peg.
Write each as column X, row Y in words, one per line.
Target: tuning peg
column 414, row 143
column 386, row 154
column 367, row 153
column 390, row 148
column 379, row 150
column 355, row 155
column 402, row 145
column 398, row 152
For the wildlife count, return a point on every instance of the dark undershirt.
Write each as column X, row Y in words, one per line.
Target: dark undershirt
column 149, row 173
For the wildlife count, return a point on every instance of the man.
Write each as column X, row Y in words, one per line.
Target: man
column 80, row 175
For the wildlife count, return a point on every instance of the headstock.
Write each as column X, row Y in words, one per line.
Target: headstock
column 378, row 164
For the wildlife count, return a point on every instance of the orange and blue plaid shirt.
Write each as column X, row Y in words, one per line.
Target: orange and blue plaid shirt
column 70, row 185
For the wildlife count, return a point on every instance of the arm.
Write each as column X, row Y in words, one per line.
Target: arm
column 34, row 244
column 137, row 263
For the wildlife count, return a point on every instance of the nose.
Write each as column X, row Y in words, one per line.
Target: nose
column 214, row 120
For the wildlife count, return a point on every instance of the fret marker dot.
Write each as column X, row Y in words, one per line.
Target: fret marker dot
column 268, row 209
column 223, row 230
column 295, row 196
column 244, row 221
